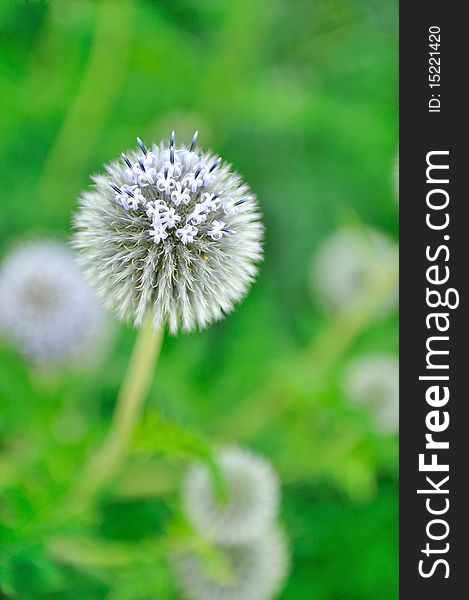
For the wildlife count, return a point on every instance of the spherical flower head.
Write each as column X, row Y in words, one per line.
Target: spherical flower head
column 256, row 571
column 347, row 264
column 171, row 231
column 46, row 307
column 372, row 382
column 251, row 503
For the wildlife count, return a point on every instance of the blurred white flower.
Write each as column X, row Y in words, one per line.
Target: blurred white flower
column 251, row 504
column 46, row 308
column 372, row 381
column 256, row 571
column 170, row 230
column 347, row 263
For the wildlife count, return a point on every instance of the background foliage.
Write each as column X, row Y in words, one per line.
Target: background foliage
column 302, row 98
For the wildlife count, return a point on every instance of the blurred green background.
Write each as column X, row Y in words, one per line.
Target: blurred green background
column 301, row 97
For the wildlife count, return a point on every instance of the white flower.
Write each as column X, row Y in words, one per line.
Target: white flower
column 158, row 233
column 198, row 214
column 174, row 169
column 372, row 381
column 180, row 194
column 216, row 233
column 122, row 198
column 147, row 177
column 252, row 498
column 194, row 180
column 187, row 233
column 169, row 218
column 254, row 571
column 153, row 209
column 229, row 206
column 210, row 201
column 136, row 198
column 154, row 243
column 46, row 308
column 165, row 183
column 347, row 264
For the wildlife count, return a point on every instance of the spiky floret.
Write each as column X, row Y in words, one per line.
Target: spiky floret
column 46, row 307
column 372, row 382
column 254, row 571
column 251, row 503
column 346, row 265
column 170, row 230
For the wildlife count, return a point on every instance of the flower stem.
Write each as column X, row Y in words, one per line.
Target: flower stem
column 132, row 394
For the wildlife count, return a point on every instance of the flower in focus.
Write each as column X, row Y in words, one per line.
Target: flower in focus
column 372, row 381
column 254, row 571
column 169, row 230
column 46, row 307
column 251, row 504
column 347, row 264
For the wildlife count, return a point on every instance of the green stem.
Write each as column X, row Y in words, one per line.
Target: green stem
column 104, row 464
column 134, row 390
